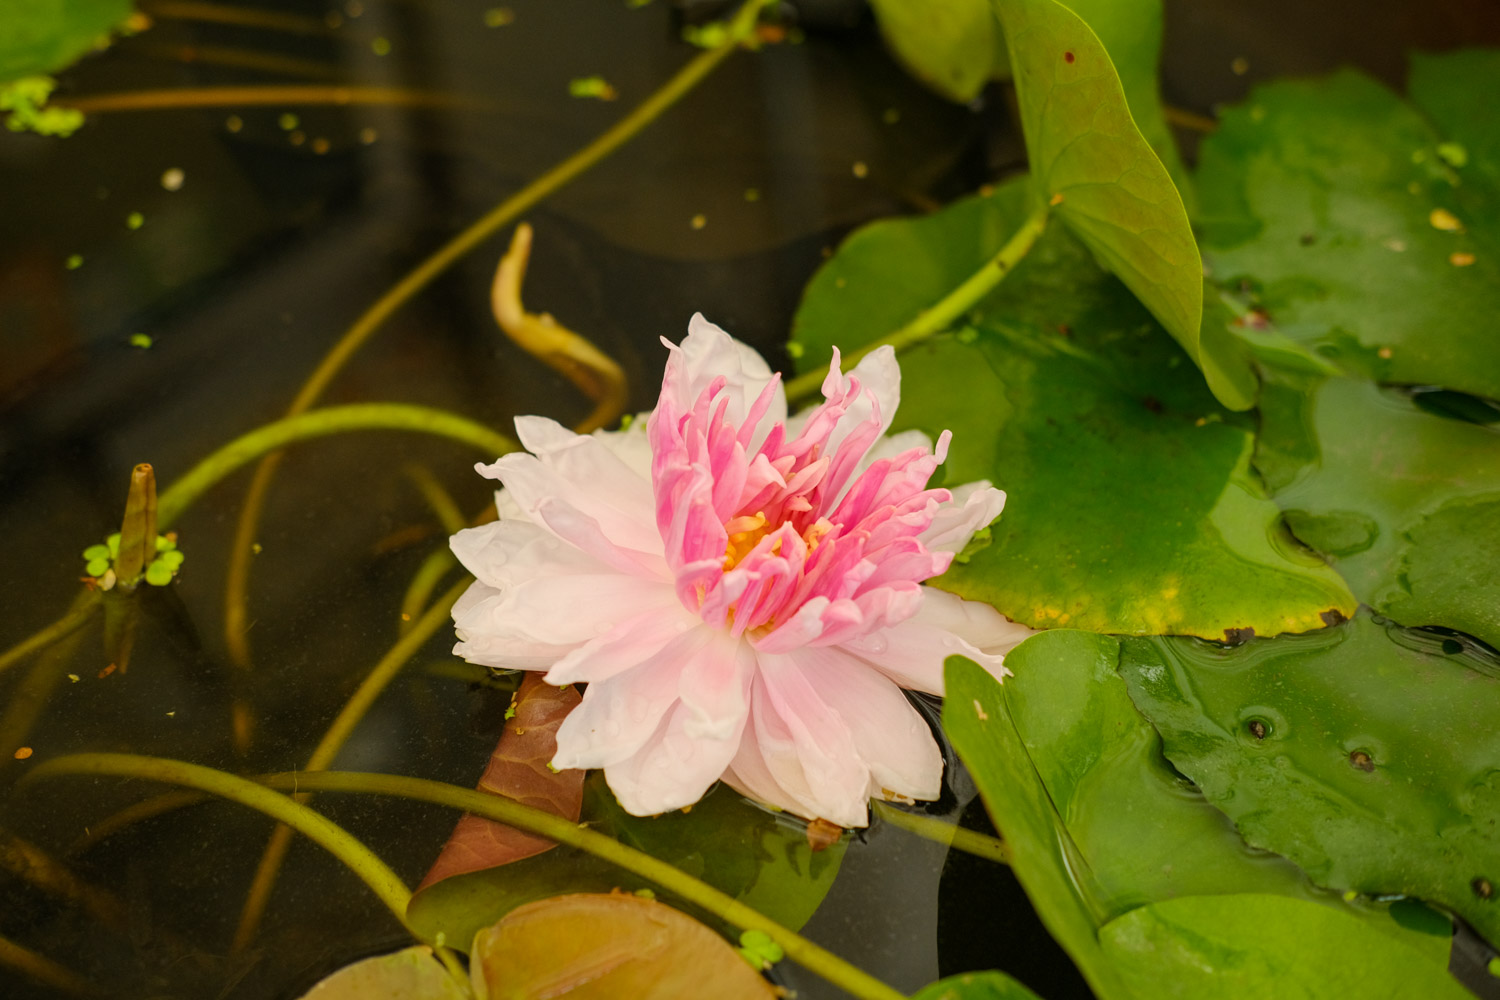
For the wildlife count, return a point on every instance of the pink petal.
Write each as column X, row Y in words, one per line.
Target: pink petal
column 630, row 643
column 714, row 687
column 973, row 507
column 708, row 353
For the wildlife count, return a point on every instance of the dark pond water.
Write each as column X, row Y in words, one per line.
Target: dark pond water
column 261, row 238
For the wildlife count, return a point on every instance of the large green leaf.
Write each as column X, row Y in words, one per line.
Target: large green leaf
column 1368, row 235
column 1232, row 947
column 1131, row 506
column 950, row 45
column 976, row 719
column 975, row 986
column 1405, row 502
column 43, row 36
column 1368, row 754
column 1091, row 163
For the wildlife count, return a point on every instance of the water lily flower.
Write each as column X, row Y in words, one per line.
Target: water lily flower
column 741, row 593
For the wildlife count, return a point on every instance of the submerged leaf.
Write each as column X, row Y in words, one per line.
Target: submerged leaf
column 1367, row 753
column 1091, row 163
column 1231, row 947
column 602, row 947
column 409, row 974
column 1132, row 507
column 1330, row 200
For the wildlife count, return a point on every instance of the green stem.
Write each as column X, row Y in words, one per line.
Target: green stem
column 969, row 841
column 320, row 423
column 335, row 839
column 853, row 980
column 942, row 314
column 84, row 607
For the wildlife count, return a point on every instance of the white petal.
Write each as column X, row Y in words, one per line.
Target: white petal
column 566, row 610
column 482, row 644
column 587, row 460
column 890, row 735
column 806, row 746
column 503, row 553
column 880, row 376
column 619, row 714
column 628, row 644
column 672, row 769
column 973, row 507
column 707, row 353
column 539, row 489
column 912, row 652
column 715, row 688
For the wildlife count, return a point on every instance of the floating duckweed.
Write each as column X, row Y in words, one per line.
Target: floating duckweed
column 498, row 17
column 99, row 560
column 141, row 340
column 757, row 948
column 134, row 220
column 381, row 46
column 794, row 349
column 74, row 261
column 706, row 36
column 592, row 86
column 288, row 121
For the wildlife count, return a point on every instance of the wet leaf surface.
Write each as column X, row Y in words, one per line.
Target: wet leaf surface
column 1104, row 181
column 409, row 974
column 1211, row 947
column 1132, row 507
column 1404, row 502
column 1364, row 227
column 608, row 946
column 1368, row 754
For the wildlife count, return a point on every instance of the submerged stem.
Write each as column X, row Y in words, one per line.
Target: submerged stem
column 942, row 314
column 277, row 96
column 320, row 423
column 45, row 971
column 503, row 214
column 969, row 841
column 358, row 858
column 77, row 616
column 328, row 748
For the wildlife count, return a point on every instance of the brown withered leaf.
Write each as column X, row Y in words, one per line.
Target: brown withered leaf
column 591, row 946
column 517, row 770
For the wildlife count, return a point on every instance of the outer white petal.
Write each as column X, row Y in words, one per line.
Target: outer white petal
column 672, row 770
column 890, row 735
column 805, row 746
column 632, row 642
column 504, row 553
column 561, row 612
column 481, row 643
column 621, row 713
column 973, row 507
column 588, row 460
column 708, row 353
column 912, row 652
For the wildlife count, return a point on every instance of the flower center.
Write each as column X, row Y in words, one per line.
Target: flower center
column 745, row 533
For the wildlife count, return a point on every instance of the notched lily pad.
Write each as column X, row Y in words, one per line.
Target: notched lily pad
column 1368, row 754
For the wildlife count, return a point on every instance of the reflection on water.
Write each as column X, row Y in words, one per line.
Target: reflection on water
column 169, row 277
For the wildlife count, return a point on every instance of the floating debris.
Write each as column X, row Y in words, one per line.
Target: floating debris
column 134, row 220
column 1239, row 66
column 699, row 221
column 74, row 261
column 320, row 145
column 368, row 135
column 22, row 753
column 381, row 46
column 1460, row 258
column 752, row 194
column 234, row 123
column 499, row 17
column 1453, row 154
column 288, row 121
column 890, row 116
column 860, row 169
column 1444, row 220
column 172, row 179
column 141, row 340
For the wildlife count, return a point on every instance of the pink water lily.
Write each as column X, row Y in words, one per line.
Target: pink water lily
column 740, row 592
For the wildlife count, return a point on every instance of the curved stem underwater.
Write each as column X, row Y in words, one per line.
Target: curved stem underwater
column 508, row 211
column 942, row 314
column 810, row 956
column 339, row 731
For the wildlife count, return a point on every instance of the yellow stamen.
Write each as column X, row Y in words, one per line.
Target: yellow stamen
column 745, row 533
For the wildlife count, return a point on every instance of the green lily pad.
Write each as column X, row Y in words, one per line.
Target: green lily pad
column 1231, row 947
column 1132, row 507
column 975, row 986
column 1368, row 754
column 1091, row 163
column 1331, row 199
column 43, row 36
column 1403, row 501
